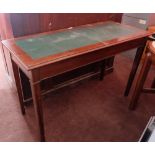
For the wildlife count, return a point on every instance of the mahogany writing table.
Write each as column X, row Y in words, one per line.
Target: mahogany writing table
column 45, row 55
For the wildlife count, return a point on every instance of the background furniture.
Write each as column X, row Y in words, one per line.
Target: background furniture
column 139, row 20
column 139, row 88
column 16, row 25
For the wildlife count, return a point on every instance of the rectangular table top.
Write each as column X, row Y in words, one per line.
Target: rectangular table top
column 39, row 49
column 49, row 44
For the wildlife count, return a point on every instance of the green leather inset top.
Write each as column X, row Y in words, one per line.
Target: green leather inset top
column 45, row 45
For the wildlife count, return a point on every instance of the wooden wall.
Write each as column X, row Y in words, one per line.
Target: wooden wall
column 28, row 23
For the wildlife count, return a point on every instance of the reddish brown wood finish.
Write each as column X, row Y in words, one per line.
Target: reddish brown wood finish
column 30, row 63
column 21, row 24
column 139, row 88
column 87, row 58
column 37, row 101
column 137, row 60
column 43, row 68
column 18, row 85
column 31, row 23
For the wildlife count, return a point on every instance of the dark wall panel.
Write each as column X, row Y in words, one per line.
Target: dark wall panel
column 28, row 23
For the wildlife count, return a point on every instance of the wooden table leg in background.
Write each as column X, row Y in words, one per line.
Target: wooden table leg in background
column 37, row 101
column 140, row 81
column 18, row 85
column 153, row 84
column 135, row 65
column 103, row 67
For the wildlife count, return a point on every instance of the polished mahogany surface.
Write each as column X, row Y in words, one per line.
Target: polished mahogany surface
column 119, row 39
column 41, row 49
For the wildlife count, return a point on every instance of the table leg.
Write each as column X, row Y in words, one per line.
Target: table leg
column 18, row 86
column 140, row 81
column 135, row 65
column 153, row 84
column 37, row 101
column 103, row 66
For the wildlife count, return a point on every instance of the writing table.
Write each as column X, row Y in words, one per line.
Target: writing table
column 45, row 55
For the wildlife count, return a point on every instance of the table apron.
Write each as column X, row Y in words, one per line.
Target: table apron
column 69, row 64
column 21, row 66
